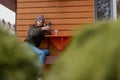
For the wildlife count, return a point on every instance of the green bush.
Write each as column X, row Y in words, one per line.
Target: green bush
column 16, row 61
column 93, row 54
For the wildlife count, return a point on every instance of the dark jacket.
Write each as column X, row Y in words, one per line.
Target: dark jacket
column 36, row 35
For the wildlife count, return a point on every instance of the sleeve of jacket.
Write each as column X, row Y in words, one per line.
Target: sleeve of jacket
column 34, row 31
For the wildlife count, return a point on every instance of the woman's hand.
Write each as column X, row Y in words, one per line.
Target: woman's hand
column 46, row 28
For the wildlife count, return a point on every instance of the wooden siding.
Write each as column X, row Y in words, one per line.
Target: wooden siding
column 65, row 15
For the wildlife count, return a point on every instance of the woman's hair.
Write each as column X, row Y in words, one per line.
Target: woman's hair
column 41, row 17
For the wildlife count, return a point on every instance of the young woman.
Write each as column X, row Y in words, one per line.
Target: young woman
column 36, row 35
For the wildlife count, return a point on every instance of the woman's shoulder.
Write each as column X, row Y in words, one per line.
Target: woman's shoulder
column 32, row 26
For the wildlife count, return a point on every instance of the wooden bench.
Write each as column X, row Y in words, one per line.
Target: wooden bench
column 50, row 59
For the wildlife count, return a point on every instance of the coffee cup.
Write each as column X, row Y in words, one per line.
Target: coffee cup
column 56, row 32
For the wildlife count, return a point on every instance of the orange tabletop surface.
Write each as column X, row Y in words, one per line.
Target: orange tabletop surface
column 60, row 41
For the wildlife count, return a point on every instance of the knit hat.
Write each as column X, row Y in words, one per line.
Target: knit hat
column 41, row 17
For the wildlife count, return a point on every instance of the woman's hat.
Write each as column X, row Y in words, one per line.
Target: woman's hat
column 41, row 17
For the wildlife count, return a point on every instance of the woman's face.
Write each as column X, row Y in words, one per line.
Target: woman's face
column 39, row 22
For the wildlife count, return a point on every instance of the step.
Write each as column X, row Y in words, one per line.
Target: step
column 50, row 59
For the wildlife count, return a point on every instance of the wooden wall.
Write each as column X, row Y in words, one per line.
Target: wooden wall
column 65, row 15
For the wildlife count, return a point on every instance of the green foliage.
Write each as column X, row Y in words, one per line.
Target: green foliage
column 94, row 54
column 16, row 61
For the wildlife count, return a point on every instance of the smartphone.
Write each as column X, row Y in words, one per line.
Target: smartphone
column 49, row 24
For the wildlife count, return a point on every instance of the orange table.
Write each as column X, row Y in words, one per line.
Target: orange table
column 60, row 41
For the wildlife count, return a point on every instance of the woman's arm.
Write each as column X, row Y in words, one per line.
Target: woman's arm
column 35, row 31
